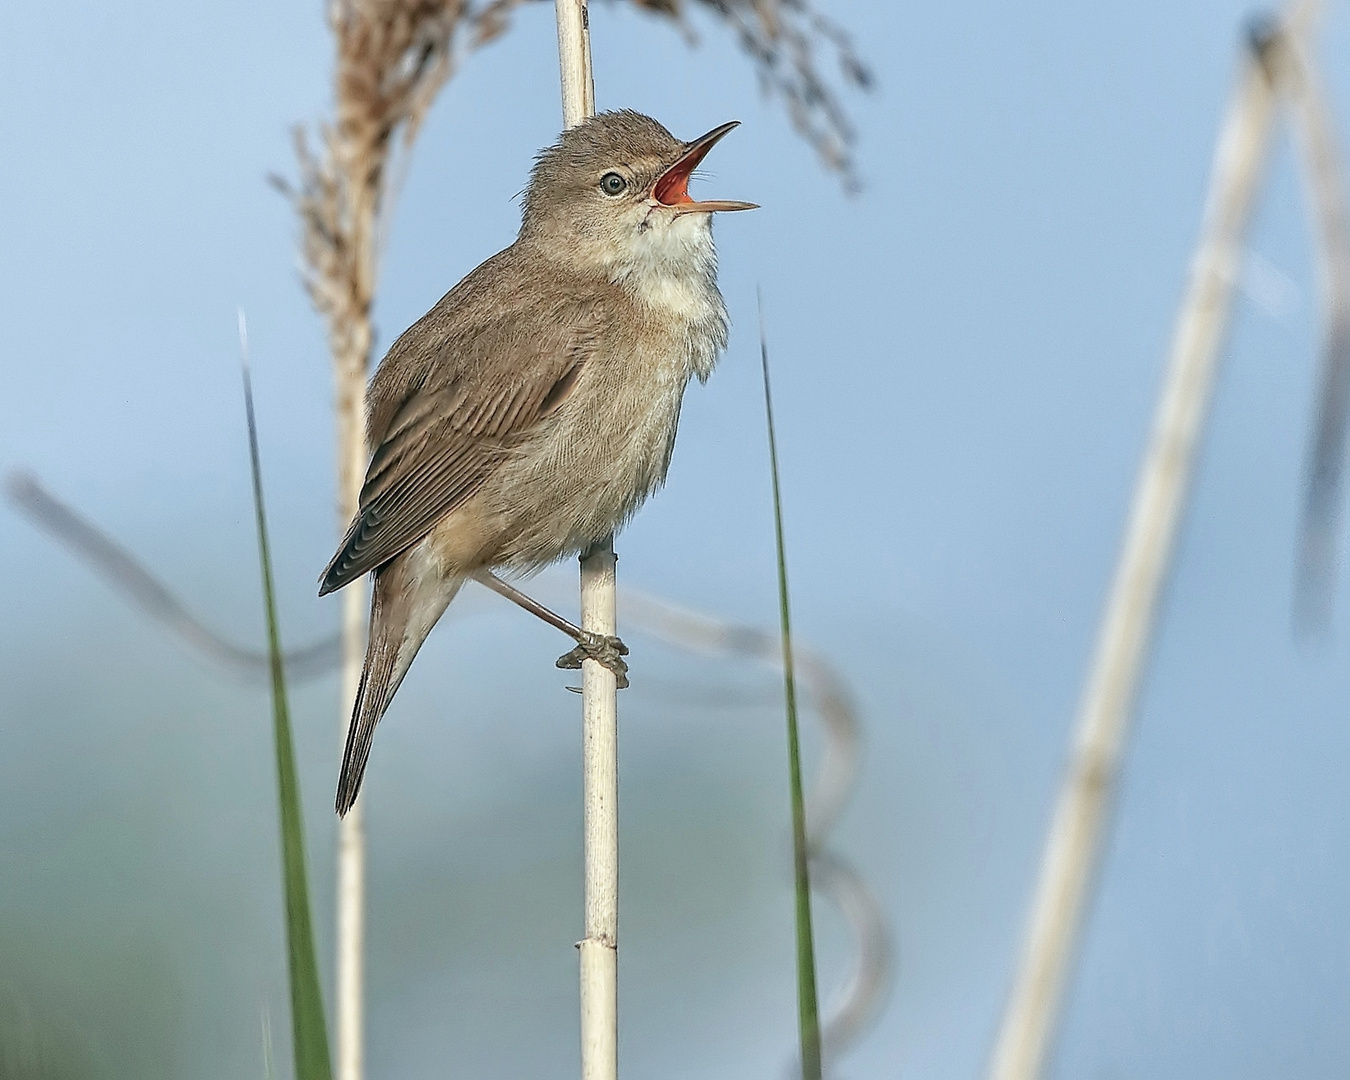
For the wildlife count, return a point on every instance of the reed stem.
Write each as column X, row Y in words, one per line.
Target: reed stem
column 599, row 947
column 1079, row 828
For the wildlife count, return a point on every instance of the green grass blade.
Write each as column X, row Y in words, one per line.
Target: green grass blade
column 309, row 1029
column 808, row 1015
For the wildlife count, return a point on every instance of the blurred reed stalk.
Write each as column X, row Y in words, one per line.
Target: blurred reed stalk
column 1079, row 827
column 858, row 1002
column 1324, row 483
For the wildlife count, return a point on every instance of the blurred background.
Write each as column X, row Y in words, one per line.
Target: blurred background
column 966, row 357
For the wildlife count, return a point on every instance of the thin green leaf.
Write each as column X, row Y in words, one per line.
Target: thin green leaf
column 808, row 1016
column 309, row 1029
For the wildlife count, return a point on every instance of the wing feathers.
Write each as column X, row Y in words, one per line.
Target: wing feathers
column 456, row 424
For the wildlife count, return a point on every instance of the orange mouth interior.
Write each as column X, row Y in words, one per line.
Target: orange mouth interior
column 673, row 187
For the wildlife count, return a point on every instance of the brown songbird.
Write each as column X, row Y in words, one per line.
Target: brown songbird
column 529, row 413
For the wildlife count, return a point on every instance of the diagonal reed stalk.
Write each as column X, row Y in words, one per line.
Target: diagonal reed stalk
column 309, row 1029
column 1081, row 823
column 808, row 1015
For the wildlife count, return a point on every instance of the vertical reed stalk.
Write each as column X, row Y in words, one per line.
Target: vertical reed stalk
column 599, row 946
column 600, row 825
column 351, row 342
column 1079, row 827
column 574, row 61
column 351, row 855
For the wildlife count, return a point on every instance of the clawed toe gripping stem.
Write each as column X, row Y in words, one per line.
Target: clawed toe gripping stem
column 602, row 648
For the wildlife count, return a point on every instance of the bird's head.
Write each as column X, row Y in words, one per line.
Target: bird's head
column 613, row 194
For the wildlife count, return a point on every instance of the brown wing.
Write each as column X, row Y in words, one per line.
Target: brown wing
column 448, row 435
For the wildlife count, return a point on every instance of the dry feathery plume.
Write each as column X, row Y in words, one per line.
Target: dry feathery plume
column 784, row 39
column 393, row 57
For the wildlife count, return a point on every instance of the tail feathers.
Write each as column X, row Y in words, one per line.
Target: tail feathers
column 406, row 602
column 373, row 695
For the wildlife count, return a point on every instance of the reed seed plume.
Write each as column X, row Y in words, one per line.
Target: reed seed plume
column 791, row 44
column 393, row 57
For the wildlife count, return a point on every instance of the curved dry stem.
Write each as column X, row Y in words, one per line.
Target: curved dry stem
column 823, row 688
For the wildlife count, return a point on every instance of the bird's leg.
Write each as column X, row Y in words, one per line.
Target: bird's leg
column 604, row 648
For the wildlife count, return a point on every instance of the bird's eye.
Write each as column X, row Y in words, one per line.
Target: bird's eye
column 613, row 184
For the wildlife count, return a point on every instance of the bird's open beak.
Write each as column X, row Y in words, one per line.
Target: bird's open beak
column 672, row 188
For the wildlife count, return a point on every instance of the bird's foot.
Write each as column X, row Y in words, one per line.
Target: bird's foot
column 602, row 648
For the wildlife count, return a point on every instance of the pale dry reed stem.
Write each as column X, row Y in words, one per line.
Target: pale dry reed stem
column 350, row 408
column 574, row 61
column 1080, row 824
column 599, row 946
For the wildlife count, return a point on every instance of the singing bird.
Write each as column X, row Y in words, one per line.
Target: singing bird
column 529, row 414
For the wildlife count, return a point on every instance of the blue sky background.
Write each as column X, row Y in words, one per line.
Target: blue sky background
column 966, row 357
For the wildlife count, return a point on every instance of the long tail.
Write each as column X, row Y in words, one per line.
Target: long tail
column 404, row 607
